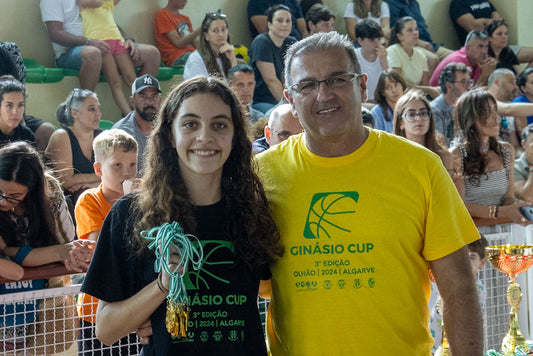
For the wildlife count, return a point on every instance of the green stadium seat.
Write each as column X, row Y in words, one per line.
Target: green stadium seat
column 106, row 124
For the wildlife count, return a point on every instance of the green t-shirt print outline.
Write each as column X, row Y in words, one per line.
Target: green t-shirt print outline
column 193, row 279
column 323, row 207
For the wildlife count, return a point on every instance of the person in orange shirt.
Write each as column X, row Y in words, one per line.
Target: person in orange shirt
column 115, row 154
column 173, row 34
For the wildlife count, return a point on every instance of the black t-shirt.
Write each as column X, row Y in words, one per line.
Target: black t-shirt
column 224, row 319
column 21, row 133
column 478, row 8
column 507, row 59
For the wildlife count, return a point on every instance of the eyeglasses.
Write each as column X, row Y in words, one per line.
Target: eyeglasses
column 411, row 116
column 216, row 15
column 467, row 83
column 13, row 201
column 334, row 82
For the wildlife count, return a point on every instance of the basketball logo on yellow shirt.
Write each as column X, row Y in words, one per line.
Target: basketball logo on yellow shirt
column 327, row 214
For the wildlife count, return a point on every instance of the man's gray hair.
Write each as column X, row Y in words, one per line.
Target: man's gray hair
column 447, row 75
column 476, row 35
column 498, row 74
column 320, row 42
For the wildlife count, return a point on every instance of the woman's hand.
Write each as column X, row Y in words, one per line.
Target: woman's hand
column 80, row 255
column 512, row 212
column 229, row 51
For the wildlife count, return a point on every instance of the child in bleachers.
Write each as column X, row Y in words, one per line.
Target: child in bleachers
column 98, row 23
column 174, row 35
column 115, row 154
column 478, row 258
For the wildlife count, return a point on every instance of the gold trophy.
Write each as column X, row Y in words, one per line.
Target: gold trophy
column 512, row 260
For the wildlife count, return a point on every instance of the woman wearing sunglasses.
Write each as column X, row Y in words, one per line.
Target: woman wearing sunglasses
column 414, row 121
column 215, row 54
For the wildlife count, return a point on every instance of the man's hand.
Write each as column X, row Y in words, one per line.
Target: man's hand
column 130, row 46
column 381, row 52
column 101, row 45
column 488, row 65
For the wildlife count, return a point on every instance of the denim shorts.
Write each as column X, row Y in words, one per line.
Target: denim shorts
column 71, row 59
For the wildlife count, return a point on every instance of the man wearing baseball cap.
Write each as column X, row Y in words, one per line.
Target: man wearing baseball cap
column 145, row 98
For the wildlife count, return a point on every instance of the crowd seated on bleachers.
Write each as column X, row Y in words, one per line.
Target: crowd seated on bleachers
column 389, row 89
column 373, row 10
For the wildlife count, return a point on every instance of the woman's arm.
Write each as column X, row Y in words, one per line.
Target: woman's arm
column 118, row 319
column 350, row 23
column 59, row 152
column 10, row 270
column 41, row 255
column 385, row 27
column 268, row 72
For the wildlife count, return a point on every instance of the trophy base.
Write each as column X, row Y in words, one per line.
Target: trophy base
column 510, row 342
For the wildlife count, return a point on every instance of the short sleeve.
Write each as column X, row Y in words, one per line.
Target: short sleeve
column 52, row 10
column 458, row 9
column 348, row 12
column 261, row 52
column 384, row 10
column 195, row 66
column 88, row 215
column 162, row 22
column 394, row 56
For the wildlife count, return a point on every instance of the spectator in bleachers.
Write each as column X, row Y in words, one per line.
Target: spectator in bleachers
column 502, row 86
column 525, row 84
column 373, row 10
column 372, row 55
column 368, row 118
column 37, row 229
column 281, row 125
column 474, row 54
column 199, row 173
column 320, row 19
column 115, row 153
column 468, row 15
column 498, row 46
column 258, row 17
column 145, row 98
column 414, row 121
column 433, row 51
column 407, row 59
column 12, row 102
column 454, row 80
column 482, row 164
column 266, row 57
column 174, row 34
column 98, row 23
column 75, row 51
column 523, row 165
column 215, row 55
column 71, row 147
column 242, row 79
column 390, row 88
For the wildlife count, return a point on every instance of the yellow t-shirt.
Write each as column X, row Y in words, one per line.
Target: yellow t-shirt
column 358, row 232
column 98, row 23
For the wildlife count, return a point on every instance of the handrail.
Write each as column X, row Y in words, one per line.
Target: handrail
column 58, row 269
column 46, row 271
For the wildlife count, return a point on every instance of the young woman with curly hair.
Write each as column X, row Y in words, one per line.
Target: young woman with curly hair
column 199, row 174
column 484, row 163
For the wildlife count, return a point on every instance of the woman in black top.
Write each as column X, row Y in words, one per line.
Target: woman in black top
column 71, row 148
column 199, row 174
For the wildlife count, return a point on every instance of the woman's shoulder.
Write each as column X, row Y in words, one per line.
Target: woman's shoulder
column 59, row 137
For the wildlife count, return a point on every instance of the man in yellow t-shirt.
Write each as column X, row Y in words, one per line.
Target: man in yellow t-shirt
column 362, row 215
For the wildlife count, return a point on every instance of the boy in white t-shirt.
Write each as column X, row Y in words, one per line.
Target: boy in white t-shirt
column 372, row 55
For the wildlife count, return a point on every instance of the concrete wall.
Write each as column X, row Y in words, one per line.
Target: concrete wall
column 21, row 23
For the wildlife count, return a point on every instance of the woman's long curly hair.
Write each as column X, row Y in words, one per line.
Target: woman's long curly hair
column 20, row 163
column 430, row 141
column 475, row 106
column 205, row 50
column 165, row 198
column 360, row 10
